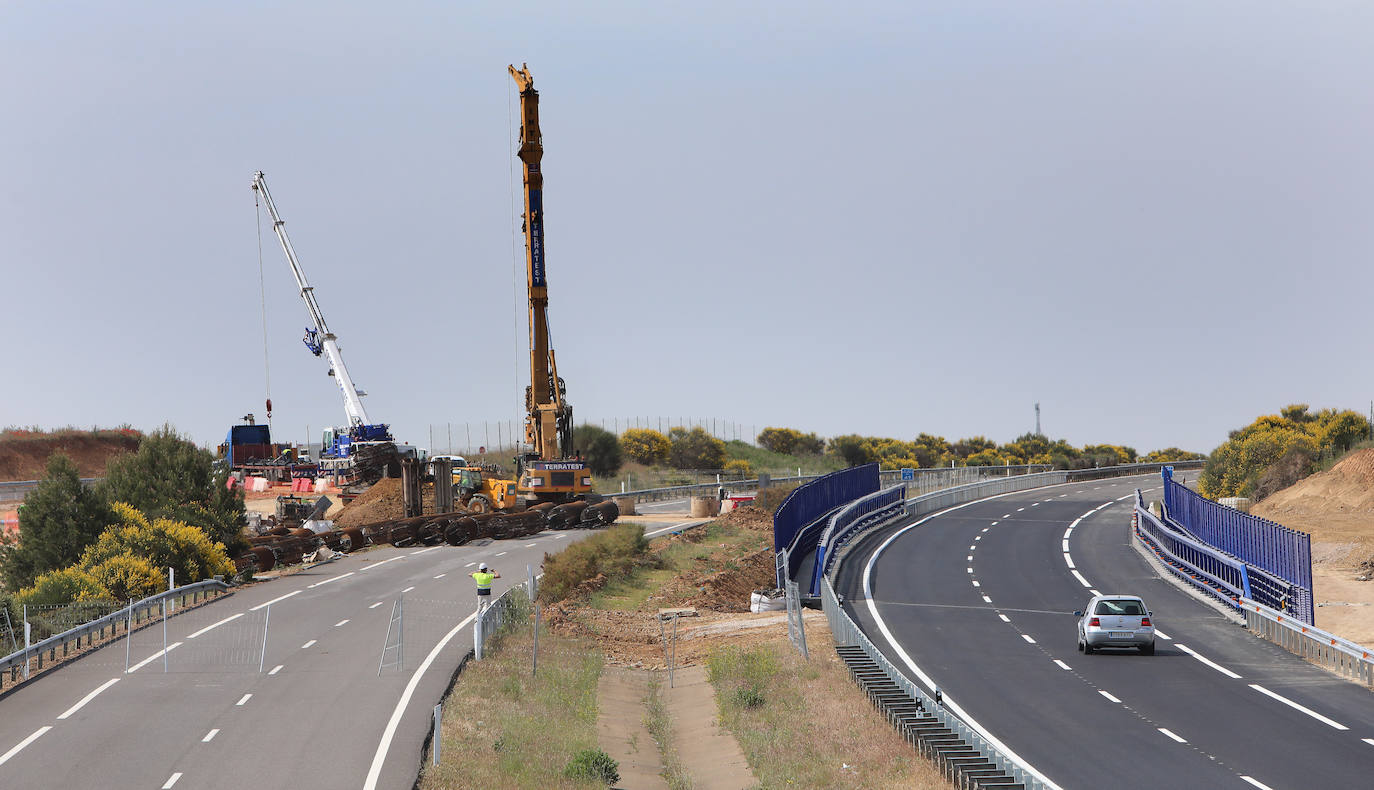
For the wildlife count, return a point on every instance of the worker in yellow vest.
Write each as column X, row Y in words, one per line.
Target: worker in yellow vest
column 483, row 576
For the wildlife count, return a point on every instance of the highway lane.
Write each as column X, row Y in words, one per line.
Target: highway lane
column 1003, row 650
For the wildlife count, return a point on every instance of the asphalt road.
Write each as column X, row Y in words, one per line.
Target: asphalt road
column 318, row 714
column 978, row 601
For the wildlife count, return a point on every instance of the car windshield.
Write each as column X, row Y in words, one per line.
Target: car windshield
column 1120, row 607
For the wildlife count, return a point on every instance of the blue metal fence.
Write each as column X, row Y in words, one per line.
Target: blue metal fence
column 851, row 520
column 1206, row 568
column 810, row 501
column 1280, row 558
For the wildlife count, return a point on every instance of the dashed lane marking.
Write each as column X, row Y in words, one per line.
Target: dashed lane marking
column 1080, row 578
column 1109, row 696
column 276, row 669
column 1257, row 783
column 440, row 576
column 377, row 565
column 1068, row 560
column 986, row 599
column 307, row 644
column 18, row 748
column 501, row 553
column 1214, row 665
column 1295, row 706
column 531, row 545
column 469, row 565
column 408, row 589
column 1005, row 619
column 1163, row 635
column 78, row 706
column 1169, row 734
column 216, row 625
column 275, row 600
column 243, row 700
column 341, row 622
column 976, row 584
column 171, row 782
column 1062, row 665
column 375, row 605
column 422, row 551
column 1028, row 638
column 327, row 581
column 150, row 659
column 209, row 736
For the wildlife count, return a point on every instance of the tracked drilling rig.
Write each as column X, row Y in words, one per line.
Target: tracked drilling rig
column 551, row 471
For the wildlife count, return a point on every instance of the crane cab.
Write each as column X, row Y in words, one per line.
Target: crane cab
column 555, row 481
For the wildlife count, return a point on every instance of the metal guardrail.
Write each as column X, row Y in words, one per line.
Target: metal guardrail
column 850, row 520
column 512, row 605
column 16, row 663
column 846, row 632
column 1191, row 560
column 1320, row 647
column 704, row 489
column 16, row 490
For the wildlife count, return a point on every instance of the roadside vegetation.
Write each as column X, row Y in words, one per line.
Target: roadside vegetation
column 159, row 507
column 1277, row 450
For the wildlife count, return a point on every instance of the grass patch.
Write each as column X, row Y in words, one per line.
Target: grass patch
column 632, row 591
column 771, row 699
column 504, row 728
column 614, row 554
column 660, row 726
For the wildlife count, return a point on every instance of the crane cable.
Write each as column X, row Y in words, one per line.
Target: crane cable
column 262, row 294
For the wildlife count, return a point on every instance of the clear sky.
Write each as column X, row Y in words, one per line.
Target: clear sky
column 877, row 218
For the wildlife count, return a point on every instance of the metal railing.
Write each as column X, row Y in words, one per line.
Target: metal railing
column 132, row 616
column 1320, row 647
column 851, row 520
column 510, row 607
column 705, row 489
column 1204, row 567
column 846, row 632
column 15, row 491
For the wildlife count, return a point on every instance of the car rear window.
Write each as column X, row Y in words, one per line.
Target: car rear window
column 1120, row 607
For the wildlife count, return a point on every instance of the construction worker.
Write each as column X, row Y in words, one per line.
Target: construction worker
column 484, row 576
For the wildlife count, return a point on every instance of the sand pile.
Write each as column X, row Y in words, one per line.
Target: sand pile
column 382, row 501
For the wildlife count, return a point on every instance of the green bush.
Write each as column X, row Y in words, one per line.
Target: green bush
column 61, row 587
column 600, row 447
column 593, row 765
column 164, row 543
column 129, row 577
column 695, row 449
column 614, row 553
column 645, row 446
column 58, row 520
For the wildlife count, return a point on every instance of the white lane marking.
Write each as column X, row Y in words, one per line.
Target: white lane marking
column 375, row 605
column 341, row 622
column 1068, row 532
column 682, row 525
column 209, row 736
column 1109, row 696
column 974, row 547
column 1094, row 592
column 1005, row 619
column 969, row 558
column 216, row 625
column 1214, row 665
column 469, row 565
column 1295, row 706
column 1163, row 635
column 986, row 599
column 1035, row 504
column 422, row 551
column 530, row 545
column 1027, row 638
column 1258, row 783
column 1047, row 501
column 243, row 700
column 150, row 659
column 440, row 576
column 379, row 758
column 1062, row 665
column 78, row 706
column 307, row 644
column 1080, row 578
column 1171, row 735
column 1019, row 509
column 1066, row 545
column 172, row 781
column 976, row 584
column 376, row 565
column 1124, row 498
column 12, row 752
column 977, row 537
column 995, row 523
column 985, row 529
column 276, row 669
column 408, row 589
column 1068, row 560
column 502, row 553
column 1369, row 741
column 970, row 570
column 327, row 581
column 274, row 600
column 1061, row 496
column 561, row 536
column 1006, row 515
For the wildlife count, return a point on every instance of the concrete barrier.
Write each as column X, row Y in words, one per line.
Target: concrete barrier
column 705, row 506
column 626, row 505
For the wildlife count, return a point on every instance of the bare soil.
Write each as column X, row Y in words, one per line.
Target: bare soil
column 1336, row 508
column 26, row 458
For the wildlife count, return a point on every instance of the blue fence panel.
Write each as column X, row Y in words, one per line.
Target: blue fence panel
column 812, row 500
column 850, row 520
column 1271, row 549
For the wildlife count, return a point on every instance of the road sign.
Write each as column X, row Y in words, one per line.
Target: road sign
column 908, row 475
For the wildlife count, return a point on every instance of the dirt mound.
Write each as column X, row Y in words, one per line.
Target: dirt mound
column 1347, row 487
column 749, row 517
column 383, row 501
column 25, row 457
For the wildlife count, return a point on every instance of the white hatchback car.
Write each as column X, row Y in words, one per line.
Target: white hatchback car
column 1116, row 621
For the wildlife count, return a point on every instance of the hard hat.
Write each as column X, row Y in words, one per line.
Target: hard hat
column 482, row 567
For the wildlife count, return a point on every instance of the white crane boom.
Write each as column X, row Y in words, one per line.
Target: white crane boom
column 320, row 339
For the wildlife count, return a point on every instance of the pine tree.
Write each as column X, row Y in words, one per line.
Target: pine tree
column 59, row 519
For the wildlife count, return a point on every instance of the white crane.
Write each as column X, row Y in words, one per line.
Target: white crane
column 321, row 341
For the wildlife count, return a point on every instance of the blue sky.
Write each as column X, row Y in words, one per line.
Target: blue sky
column 881, row 218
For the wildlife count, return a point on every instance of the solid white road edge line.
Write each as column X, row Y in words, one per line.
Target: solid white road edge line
column 1295, row 706
column 1214, row 665
column 78, row 706
column 375, row 772
column 216, row 625
column 274, row 600
column 906, row 658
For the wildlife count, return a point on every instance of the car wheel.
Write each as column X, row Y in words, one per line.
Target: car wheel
column 1087, row 648
column 1148, row 650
